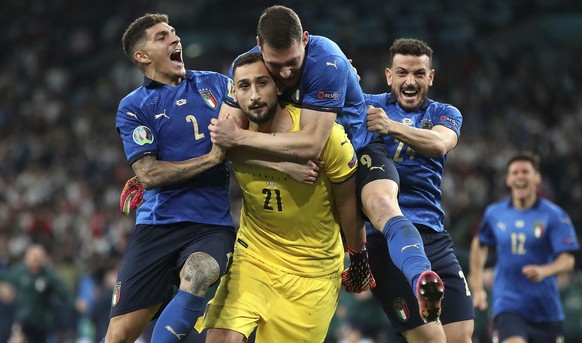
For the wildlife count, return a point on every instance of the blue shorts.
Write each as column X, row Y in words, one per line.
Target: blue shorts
column 374, row 163
column 508, row 324
column 394, row 293
column 153, row 259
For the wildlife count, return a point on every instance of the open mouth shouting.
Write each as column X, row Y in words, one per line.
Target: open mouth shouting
column 410, row 93
column 176, row 57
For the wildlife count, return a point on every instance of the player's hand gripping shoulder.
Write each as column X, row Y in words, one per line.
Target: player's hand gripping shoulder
column 131, row 196
column 358, row 276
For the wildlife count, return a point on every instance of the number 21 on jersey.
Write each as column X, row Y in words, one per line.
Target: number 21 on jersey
column 272, row 200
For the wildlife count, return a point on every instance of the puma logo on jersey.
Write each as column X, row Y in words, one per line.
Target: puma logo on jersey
column 158, row 116
column 344, row 142
column 169, row 328
column 330, row 64
column 415, row 245
column 380, row 167
column 131, row 114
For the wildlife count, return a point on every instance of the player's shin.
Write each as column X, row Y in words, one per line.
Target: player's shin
column 178, row 318
column 406, row 248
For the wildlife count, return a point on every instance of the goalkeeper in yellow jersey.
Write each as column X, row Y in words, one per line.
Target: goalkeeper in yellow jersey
column 288, row 257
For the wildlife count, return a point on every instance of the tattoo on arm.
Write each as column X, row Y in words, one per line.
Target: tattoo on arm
column 154, row 173
column 143, row 164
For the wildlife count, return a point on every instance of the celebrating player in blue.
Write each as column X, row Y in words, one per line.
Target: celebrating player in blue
column 418, row 132
column 319, row 78
column 183, row 233
column 534, row 240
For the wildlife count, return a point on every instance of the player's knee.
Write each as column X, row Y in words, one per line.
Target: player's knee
column 380, row 199
column 459, row 332
column 199, row 272
column 379, row 208
column 128, row 327
column 428, row 333
column 119, row 334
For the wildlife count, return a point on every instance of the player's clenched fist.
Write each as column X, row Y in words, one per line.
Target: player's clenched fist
column 378, row 121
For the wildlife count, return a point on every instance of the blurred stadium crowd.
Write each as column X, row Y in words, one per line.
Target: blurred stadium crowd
column 511, row 67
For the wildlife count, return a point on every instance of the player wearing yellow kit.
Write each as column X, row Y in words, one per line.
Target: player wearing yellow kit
column 293, row 225
column 288, row 258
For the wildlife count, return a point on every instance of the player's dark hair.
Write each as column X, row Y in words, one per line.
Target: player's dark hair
column 279, row 27
column 527, row 156
column 136, row 31
column 410, row 46
column 248, row 58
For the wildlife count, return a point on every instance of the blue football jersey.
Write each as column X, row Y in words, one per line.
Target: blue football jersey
column 330, row 84
column 420, row 176
column 524, row 237
column 171, row 123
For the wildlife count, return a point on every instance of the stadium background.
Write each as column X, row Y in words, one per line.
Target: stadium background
column 511, row 67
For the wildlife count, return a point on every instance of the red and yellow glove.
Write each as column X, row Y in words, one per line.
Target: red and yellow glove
column 131, row 195
column 358, row 276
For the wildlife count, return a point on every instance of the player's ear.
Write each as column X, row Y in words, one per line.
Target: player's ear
column 141, row 57
column 258, row 44
column 431, row 77
column 538, row 178
column 388, row 76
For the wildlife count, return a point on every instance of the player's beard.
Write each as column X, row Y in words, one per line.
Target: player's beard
column 262, row 114
column 410, row 103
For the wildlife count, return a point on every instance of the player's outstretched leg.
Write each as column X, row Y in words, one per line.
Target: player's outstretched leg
column 430, row 290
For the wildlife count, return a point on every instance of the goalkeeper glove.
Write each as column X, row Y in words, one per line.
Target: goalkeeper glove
column 131, row 195
column 358, row 276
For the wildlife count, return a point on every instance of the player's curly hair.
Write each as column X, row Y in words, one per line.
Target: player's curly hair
column 410, row 46
column 279, row 27
column 136, row 31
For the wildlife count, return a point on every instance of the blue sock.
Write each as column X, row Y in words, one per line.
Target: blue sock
column 178, row 318
column 406, row 248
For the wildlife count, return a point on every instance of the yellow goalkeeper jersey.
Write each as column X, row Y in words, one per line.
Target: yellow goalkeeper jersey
column 291, row 225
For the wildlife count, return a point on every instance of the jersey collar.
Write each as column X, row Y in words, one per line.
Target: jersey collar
column 149, row 83
column 536, row 203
